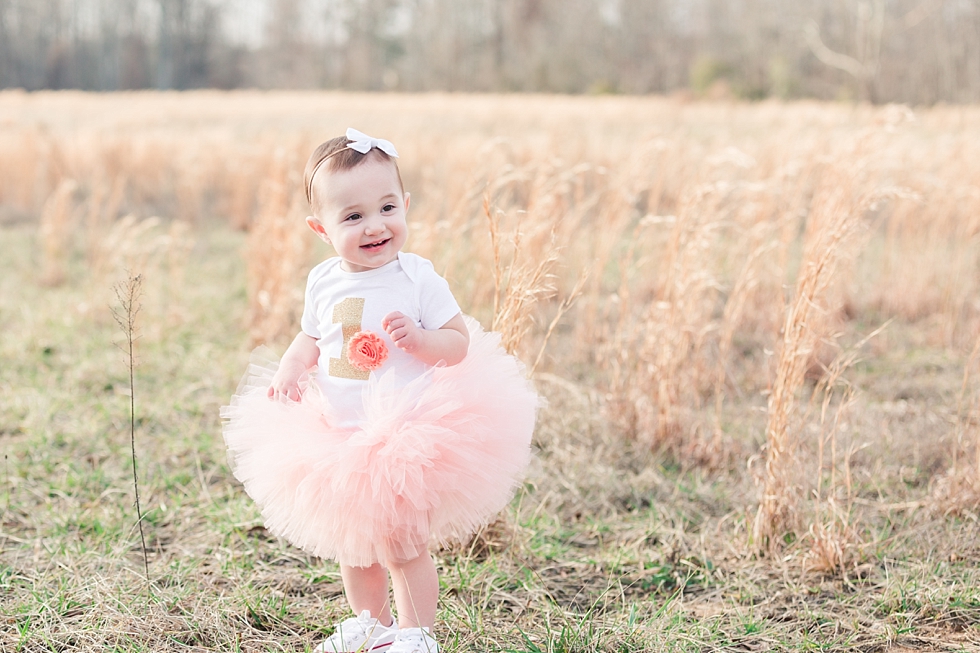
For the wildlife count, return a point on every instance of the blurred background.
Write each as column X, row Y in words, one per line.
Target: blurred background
column 912, row 51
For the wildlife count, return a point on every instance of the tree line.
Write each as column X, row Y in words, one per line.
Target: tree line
column 915, row 51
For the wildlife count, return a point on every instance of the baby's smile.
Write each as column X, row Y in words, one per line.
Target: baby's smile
column 376, row 245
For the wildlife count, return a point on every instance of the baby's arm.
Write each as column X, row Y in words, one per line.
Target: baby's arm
column 299, row 357
column 447, row 343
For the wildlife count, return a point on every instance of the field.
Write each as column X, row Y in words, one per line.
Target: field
column 756, row 326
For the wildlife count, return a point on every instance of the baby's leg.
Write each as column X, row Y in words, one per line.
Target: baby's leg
column 416, row 586
column 367, row 589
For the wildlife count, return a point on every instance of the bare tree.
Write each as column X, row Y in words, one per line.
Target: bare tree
column 917, row 51
column 6, row 47
column 863, row 65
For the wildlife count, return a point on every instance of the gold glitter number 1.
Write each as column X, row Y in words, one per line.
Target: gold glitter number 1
column 348, row 314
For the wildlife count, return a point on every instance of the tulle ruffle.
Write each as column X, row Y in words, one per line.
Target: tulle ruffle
column 430, row 461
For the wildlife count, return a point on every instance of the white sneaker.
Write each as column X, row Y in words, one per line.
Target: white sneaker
column 414, row 640
column 360, row 634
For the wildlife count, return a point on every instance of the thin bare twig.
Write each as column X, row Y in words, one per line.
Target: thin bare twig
column 128, row 294
column 6, row 478
column 562, row 309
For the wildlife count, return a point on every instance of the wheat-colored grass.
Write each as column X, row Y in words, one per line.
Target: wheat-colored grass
column 687, row 230
column 958, row 491
column 681, row 278
column 831, row 224
column 278, row 256
column 55, row 232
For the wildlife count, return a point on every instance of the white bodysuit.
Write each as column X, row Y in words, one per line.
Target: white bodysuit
column 339, row 304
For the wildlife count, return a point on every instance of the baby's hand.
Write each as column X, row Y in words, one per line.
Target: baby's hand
column 285, row 383
column 406, row 335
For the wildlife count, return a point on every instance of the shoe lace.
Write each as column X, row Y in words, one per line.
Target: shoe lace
column 420, row 642
column 355, row 629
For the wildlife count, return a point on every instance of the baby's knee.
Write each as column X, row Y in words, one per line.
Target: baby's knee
column 375, row 570
column 399, row 563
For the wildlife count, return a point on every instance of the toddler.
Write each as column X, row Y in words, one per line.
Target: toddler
column 415, row 428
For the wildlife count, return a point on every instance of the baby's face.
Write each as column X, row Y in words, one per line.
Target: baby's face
column 361, row 212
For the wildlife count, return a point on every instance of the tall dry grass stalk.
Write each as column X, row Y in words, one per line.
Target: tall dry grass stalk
column 563, row 307
column 958, row 490
column 760, row 245
column 677, row 312
column 176, row 245
column 832, row 222
column 277, row 256
column 834, row 538
column 673, row 328
column 55, row 232
column 149, row 244
column 127, row 243
column 104, row 203
column 521, row 278
column 970, row 416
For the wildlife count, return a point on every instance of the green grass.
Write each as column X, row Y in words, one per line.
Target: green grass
column 608, row 548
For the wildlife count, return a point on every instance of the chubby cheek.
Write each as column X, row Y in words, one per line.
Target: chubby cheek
column 349, row 242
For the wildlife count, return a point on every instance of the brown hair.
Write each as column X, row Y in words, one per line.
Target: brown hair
column 337, row 156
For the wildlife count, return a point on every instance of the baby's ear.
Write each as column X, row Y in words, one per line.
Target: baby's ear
column 408, row 200
column 317, row 228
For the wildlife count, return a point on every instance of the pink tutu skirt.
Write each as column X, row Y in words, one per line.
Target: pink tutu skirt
column 430, row 461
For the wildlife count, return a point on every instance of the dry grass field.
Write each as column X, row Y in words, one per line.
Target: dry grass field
column 757, row 328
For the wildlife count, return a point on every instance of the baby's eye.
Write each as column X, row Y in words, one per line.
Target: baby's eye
column 388, row 207
column 354, row 216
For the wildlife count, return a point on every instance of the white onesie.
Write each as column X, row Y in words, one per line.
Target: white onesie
column 339, row 304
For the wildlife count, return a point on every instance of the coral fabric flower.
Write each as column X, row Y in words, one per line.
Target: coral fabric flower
column 367, row 351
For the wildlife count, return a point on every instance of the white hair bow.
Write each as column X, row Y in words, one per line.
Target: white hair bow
column 363, row 143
